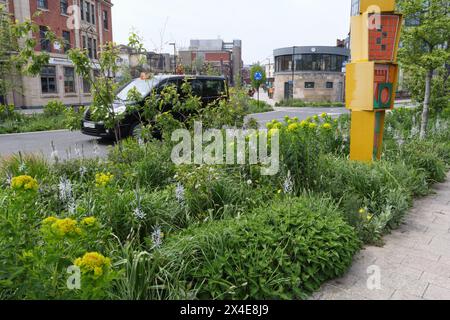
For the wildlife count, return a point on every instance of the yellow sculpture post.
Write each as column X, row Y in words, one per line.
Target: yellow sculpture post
column 372, row 75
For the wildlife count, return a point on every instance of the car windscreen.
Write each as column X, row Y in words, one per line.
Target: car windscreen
column 143, row 86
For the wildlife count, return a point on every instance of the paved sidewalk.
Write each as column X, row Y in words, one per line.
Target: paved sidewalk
column 414, row 264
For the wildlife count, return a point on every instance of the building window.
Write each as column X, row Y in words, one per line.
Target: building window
column 48, row 79
column 82, row 9
column 45, row 43
column 64, row 5
column 309, row 85
column 92, row 14
column 42, row 4
column 67, row 43
column 87, row 84
column 84, row 44
column 105, row 20
column 69, row 80
column 89, row 47
column 87, row 9
column 329, row 85
column 94, row 45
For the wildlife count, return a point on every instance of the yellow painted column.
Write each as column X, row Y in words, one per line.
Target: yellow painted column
column 372, row 75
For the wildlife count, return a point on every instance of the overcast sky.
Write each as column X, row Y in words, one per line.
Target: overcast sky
column 262, row 25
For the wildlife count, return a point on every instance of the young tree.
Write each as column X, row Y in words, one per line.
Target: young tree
column 17, row 54
column 258, row 77
column 425, row 44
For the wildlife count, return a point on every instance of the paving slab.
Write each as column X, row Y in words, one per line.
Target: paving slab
column 414, row 263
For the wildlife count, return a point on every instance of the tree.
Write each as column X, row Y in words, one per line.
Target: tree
column 104, row 87
column 258, row 77
column 425, row 45
column 17, row 51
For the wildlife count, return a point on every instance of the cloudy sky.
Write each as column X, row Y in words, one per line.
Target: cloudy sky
column 262, row 25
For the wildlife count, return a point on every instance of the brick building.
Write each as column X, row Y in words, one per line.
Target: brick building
column 224, row 57
column 58, row 80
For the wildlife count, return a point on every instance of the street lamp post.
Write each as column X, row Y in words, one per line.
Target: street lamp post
column 174, row 55
column 293, row 71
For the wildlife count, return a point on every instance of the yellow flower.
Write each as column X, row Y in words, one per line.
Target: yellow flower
column 324, row 115
column 49, row 220
column 272, row 132
column 103, row 179
column 304, row 124
column 326, row 126
column 93, row 262
column 89, row 222
column 24, row 183
column 62, row 227
column 293, row 127
column 362, row 211
column 316, row 118
column 312, row 126
column 369, row 217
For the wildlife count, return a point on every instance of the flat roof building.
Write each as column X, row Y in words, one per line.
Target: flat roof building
column 310, row 73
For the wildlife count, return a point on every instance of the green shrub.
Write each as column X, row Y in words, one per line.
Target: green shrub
column 7, row 112
column 285, row 251
column 376, row 188
column 426, row 156
column 54, row 108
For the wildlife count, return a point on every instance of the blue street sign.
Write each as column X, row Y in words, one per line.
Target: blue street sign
column 258, row 76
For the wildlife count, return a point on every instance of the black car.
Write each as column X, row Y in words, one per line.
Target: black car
column 208, row 88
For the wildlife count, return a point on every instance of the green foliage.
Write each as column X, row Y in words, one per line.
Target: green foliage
column 32, row 123
column 253, row 70
column 73, row 118
column 54, row 108
column 284, row 251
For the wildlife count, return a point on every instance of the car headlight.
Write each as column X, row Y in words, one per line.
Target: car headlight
column 120, row 110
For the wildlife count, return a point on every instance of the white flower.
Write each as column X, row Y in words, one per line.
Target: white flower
column 22, row 167
column 249, row 182
column 288, row 185
column 139, row 214
column 157, row 236
column 179, row 193
column 72, row 207
column 54, row 155
column 65, row 190
column 83, row 171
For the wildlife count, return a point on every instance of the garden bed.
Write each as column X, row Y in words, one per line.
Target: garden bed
column 140, row 227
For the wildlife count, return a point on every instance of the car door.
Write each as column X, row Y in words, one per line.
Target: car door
column 213, row 90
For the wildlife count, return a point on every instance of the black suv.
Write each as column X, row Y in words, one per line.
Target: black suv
column 208, row 88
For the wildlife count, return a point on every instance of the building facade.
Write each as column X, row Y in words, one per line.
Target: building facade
column 312, row 74
column 224, row 57
column 58, row 80
column 133, row 63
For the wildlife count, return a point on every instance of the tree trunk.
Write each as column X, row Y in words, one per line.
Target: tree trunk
column 426, row 105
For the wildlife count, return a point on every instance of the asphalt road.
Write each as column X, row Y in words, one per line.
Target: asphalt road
column 75, row 145
column 66, row 143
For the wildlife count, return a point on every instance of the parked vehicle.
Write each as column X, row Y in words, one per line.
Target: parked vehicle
column 208, row 88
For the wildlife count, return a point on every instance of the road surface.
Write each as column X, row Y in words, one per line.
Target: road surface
column 75, row 145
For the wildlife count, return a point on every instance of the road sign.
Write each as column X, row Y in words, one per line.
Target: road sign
column 258, row 76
